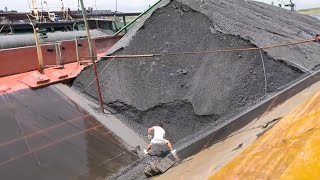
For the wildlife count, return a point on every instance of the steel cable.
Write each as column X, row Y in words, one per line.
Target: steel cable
column 264, row 72
column 211, row 51
column 85, row 88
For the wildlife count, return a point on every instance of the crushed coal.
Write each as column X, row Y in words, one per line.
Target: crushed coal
column 190, row 93
column 173, row 114
column 185, row 91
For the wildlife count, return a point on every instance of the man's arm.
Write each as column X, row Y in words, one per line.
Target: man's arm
column 150, row 132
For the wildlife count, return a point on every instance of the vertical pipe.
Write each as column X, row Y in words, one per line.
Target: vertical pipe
column 84, row 13
column 39, row 52
column 124, row 24
column 97, row 24
column 35, row 9
column 60, row 54
column 116, row 6
column 137, row 17
column 57, row 52
column 77, row 50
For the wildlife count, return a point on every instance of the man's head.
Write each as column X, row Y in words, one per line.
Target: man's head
column 159, row 124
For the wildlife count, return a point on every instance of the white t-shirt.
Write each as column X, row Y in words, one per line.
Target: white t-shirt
column 158, row 132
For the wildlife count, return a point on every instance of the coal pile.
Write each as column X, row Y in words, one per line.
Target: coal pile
column 190, row 92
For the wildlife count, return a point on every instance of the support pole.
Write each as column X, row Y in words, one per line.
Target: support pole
column 124, row 24
column 84, row 13
column 77, row 49
column 129, row 24
column 39, row 51
column 38, row 46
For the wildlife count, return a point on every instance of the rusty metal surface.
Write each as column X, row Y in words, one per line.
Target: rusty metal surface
column 24, row 59
column 45, row 135
column 34, row 79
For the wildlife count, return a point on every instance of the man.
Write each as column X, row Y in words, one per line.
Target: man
column 158, row 138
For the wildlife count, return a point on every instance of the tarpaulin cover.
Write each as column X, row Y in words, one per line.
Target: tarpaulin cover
column 290, row 150
column 45, row 135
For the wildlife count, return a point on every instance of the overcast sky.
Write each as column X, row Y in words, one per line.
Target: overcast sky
column 123, row 5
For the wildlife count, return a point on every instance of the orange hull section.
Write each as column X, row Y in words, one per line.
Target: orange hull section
column 20, row 60
column 18, row 66
column 34, row 79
